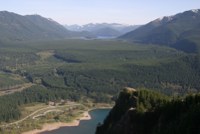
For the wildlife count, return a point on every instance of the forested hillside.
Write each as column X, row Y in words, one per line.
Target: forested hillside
column 16, row 27
column 91, row 70
column 10, row 104
column 143, row 111
column 180, row 31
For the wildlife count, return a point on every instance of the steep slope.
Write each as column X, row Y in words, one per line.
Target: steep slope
column 180, row 31
column 49, row 27
column 147, row 112
column 32, row 27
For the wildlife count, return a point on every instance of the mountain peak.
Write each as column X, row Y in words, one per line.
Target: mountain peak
column 180, row 31
column 172, row 17
column 15, row 27
column 103, row 29
column 7, row 13
column 195, row 10
column 166, row 18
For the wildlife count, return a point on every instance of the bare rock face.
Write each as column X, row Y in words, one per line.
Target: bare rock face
column 133, row 113
column 124, row 126
column 117, row 122
column 129, row 89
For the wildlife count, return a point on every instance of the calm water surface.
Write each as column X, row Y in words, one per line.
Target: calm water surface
column 85, row 126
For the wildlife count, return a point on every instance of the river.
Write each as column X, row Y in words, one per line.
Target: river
column 85, row 126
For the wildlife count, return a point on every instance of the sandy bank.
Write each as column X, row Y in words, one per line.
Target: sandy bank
column 53, row 126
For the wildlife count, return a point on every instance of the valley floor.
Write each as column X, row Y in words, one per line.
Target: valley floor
column 41, row 117
column 57, row 125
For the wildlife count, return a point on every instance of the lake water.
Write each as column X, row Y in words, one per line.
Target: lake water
column 85, row 126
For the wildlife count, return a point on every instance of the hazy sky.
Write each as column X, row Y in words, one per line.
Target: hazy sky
column 97, row 11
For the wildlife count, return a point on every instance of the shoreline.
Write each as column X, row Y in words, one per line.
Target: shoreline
column 53, row 126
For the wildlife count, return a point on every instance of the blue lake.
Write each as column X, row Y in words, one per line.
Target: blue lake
column 85, row 126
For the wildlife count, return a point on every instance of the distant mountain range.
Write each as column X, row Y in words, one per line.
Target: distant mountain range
column 103, row 29
column 181, row 31
column 15, row 27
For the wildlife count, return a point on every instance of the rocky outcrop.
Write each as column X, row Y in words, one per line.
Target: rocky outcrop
column 124, row 125
column 148, row 112
column 117, row 120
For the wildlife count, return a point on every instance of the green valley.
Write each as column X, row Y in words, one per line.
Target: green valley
column 49, row 74
column 90, row 70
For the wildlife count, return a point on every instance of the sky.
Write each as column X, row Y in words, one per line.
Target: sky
column 81, row 12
